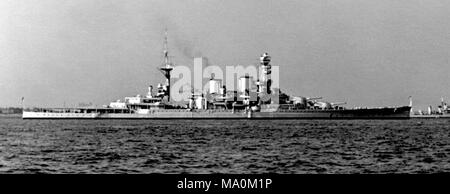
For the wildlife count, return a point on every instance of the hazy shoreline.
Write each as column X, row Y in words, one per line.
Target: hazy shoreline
column 11, row 115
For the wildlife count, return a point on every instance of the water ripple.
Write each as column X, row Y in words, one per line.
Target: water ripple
column 177, row 146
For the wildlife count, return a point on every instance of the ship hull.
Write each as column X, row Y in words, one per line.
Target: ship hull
column 369, row 113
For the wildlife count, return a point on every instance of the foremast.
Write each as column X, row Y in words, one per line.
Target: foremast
column 166, row 68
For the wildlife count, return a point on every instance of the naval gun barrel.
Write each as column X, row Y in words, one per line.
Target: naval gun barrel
column 314, row 98
column 338, row 103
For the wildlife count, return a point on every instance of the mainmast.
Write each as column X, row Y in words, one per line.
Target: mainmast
column 167, row 67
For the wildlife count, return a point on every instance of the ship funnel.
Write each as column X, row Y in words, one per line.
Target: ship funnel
column 245, row 84
column 214, row 86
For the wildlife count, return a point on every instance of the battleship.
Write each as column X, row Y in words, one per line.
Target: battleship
column 248, row 102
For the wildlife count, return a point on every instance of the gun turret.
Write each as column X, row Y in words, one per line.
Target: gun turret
column 327, row 105
column 304, row 102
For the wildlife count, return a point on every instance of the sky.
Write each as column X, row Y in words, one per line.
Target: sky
column 366, row 53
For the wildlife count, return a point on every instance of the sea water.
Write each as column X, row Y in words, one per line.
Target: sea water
column 224, row 146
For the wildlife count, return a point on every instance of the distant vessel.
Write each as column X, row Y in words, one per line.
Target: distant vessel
column 264, row 102
column 442, row 111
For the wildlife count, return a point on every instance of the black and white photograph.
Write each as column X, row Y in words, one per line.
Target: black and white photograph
column 223, row 88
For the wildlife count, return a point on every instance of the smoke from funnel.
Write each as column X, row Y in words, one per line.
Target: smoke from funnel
column 179, row 41
column 186, row 46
